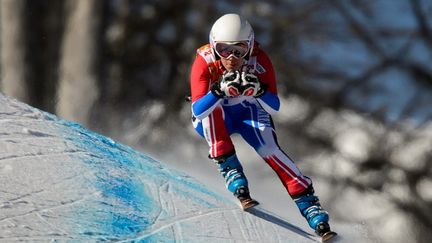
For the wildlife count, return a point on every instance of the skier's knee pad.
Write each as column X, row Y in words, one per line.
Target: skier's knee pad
column 232, row 171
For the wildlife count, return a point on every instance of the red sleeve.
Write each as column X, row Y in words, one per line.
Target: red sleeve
column 267, row 75
column 199, row 78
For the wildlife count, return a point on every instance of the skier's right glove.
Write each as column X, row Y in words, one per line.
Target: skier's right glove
column 228, row 85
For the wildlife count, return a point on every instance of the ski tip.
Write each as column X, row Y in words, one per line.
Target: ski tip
column 326, row 237
column 249, row 205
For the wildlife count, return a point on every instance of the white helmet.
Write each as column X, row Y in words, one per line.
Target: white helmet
column 232, row 28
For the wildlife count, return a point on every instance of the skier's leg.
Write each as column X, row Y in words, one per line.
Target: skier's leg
column 259, row 132
column 216, row 130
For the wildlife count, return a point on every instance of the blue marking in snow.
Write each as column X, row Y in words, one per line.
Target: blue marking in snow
column 125, row 207
column 124, row 177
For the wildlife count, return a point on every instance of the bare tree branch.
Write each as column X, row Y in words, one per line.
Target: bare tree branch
column 424, row 29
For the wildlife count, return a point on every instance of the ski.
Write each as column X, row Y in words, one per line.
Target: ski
column 328, row 236
column 248, row 203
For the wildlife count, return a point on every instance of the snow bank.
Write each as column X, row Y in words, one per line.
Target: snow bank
column 62, row 182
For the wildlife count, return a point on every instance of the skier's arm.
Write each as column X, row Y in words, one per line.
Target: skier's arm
column 203, row 101
column 205, row 105
column 269, row 102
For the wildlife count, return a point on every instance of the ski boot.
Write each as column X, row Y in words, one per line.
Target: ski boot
column 315, row 215
column 235, row 180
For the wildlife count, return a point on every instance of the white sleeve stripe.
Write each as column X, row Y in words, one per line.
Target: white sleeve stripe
column 267, row 108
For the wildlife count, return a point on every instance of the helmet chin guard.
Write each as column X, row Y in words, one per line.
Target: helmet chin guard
column 232, row 28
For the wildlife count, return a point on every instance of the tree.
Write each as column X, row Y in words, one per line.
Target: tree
column 79, row 72
column 15, row 68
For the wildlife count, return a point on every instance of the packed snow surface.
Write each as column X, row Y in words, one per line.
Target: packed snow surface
column 62, row 182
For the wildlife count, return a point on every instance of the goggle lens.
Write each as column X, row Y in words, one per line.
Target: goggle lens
column 238, row 50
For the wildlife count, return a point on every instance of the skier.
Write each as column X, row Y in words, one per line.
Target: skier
column 233, row 90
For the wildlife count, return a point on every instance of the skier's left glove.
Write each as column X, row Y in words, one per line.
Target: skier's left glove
column 251, row 85
column 229, row 85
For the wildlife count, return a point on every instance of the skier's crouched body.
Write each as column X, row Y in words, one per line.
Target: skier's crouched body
column 233, row 89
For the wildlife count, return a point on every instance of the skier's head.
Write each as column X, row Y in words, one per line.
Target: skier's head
column 232, row 37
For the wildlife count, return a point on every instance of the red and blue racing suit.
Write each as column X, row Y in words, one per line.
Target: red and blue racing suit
column 216, row 119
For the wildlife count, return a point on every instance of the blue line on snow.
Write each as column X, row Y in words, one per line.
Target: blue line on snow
column 124, row 177
column 125, row 208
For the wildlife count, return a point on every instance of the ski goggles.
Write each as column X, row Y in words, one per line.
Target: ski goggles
column 236, row 49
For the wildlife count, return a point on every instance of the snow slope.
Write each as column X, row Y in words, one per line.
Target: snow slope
column 62, row 182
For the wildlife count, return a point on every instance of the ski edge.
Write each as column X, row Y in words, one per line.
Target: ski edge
column 328, row 236
column 250, row 205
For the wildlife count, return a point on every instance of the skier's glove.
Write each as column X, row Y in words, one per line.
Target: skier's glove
column 228, row 85
column 251, row 85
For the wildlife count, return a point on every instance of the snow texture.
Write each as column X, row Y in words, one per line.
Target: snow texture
column 61, row 182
